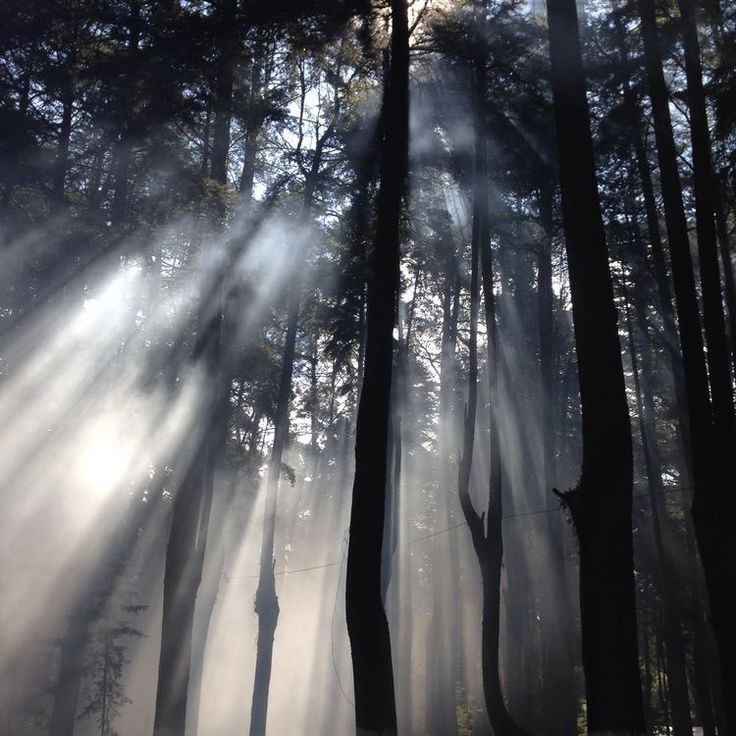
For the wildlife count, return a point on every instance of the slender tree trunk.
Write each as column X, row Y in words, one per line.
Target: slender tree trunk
column 11, row 168
column 192, row 503
column 188, row 532
column 545, row 315
column 701, row 677
column 711, row 427
column 440, row 700
column 393, row 573
column 728, row 275
column 250, row 140
column 375, row 708
column 490, row 550
column 266, row 603
column 601, row 504
column 705, row 206
column 122, row 150
column 666, row 577
column 223, row 90
column 558, row 675
column 665, row 308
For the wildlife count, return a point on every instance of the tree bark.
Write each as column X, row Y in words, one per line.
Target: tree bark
column 440, row 700
column 193, row 501
column 602, row 501
column 724, row 246
column 558, row 673
column 675, row 657
column 266, row 603
column 375, row 708
column 122, row 150
column 713, row 508
column 223, row 90
column 489, row 548
column 188, row 532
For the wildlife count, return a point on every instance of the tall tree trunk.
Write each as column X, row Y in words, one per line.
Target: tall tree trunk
column 602, row 501
column 489, row 545
column 266, row 603
column 711, row 427
column 545, row 316
column 193, row 501
column 375, row 708
column 11, row 168
column 440, row 699
column 724, row 246
column 558, row 673
column 705, row 206
column 691, row 340
column 250, row 139
column 223, row 90
column 665, row 574
column 122, row 150
column 189, row 525
column 665, row 309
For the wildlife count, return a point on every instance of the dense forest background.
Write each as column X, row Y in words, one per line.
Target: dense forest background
column 367, row 366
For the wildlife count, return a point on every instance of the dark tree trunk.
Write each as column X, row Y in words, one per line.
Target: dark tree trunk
column 601, row 503
column 122, row 150
column 705, row 207
column 188, row 532
column 701, row 678
column 714, row 521
column 250, row 140
column 558, row 674
column 666, row 576
column 192, row 503
column 724, row 246
column 489, row 548
column 665, row 309
column 11, row 168
column 266, row 603
column 545, row 315
column 223, row 91
column 711, row 428
column 375, row 708
column 440, row 700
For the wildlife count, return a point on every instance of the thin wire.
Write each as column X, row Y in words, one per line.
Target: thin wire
column 434, row 534
column 678, row 489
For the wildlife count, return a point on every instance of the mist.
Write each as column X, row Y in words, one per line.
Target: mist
column 367, row 369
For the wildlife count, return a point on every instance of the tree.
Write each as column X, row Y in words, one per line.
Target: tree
column 601, row 502
column 485, row 529
column 193, row 501
column 105, row 689
column 375, row 709
column 710, row 426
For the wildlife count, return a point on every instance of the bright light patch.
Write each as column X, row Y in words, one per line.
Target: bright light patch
column 103, row 459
